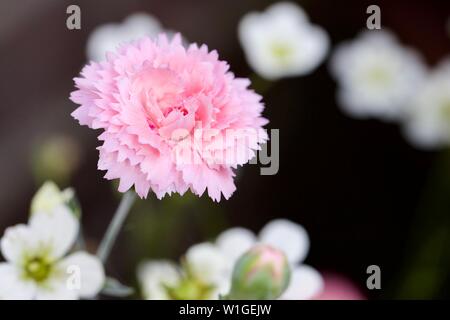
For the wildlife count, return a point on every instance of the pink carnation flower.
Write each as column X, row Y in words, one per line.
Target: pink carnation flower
column 172, row 118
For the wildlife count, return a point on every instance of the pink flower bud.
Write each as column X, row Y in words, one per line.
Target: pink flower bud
column 261, row 273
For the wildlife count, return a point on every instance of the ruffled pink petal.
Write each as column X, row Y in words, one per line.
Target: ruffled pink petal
column 165, row 112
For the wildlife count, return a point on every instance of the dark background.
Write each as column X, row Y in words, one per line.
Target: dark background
column 362, row 192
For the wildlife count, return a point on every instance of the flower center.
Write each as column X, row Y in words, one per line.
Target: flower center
column 281, row 51
column 37, row 269
column 190, row 289
column 378, row 76
column 181, row 109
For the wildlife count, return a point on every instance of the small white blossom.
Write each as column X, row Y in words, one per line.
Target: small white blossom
column 156, row 276
column 36, row 266
column 107, row 37
column 204, row 274
column 427, row 125
column 208, row 264
column 281, row 42
column 376, row 75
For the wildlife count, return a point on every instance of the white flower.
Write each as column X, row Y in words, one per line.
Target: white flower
column 428, row 123
column 208, row 264
column 287, row 236
column 156, row 276
column 281, row 42
column 36, row 266
column 204, row 274
column 377, row 76
column 107, row 37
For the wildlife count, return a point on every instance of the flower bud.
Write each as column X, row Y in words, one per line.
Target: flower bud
column 262, row 273
column 49, row 196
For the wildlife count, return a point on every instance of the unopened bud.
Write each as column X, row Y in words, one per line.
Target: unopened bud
column 49, row 196
column 262, row 273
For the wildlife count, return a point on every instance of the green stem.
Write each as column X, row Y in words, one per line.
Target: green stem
column 115, row 225
column 260, row 85
column 427, row 266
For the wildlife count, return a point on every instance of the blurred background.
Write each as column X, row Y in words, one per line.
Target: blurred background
column 364, row 194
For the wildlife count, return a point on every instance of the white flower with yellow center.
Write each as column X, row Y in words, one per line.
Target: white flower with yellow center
column 203, row 275
column 428, row 122
column 376, row 75
column 36, row 266
column 156, row 276
column 281, row 42
column 107, row 37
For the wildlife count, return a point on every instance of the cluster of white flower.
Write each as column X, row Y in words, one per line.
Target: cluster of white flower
column 207, row 267
column 36, row 264
column 380, row 78
column 377, row 75
column 427, row 122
